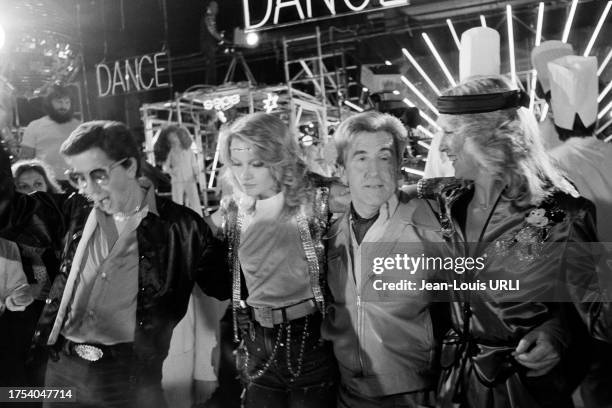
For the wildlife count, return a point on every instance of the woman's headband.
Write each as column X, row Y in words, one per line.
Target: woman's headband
column 482, row 103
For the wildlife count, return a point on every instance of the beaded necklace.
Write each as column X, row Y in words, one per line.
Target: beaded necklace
column 314, row 250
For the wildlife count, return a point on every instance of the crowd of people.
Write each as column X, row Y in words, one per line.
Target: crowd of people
column 106, row 287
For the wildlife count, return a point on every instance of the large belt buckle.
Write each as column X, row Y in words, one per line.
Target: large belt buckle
column 265, row 316
column 88, row 352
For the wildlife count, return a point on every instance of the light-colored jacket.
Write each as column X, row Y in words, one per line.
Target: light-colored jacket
column 383, row 347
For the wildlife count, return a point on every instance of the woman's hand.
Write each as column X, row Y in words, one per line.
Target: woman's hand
column 19, row 299
column 339, row 197
column 431, row 188
column 203, row 390
column 217, row 219
column 537, row 352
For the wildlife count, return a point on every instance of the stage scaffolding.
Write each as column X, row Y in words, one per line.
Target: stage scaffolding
column 199, row 109
column 322, row 71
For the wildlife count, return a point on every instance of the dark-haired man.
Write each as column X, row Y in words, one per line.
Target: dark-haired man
column 127, row 273
column 43, row 137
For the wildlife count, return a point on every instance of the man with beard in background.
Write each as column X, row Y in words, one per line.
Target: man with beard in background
column 43, row 137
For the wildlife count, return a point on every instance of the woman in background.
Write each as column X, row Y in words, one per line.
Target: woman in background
column 31, row 230
column 34, row 175
column 173, row 150
column 188, row 372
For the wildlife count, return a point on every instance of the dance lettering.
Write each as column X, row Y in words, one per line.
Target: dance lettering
column 273, row 9
column 135, row 74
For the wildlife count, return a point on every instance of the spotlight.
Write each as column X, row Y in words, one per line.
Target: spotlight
column 2, row 36
column 568, row 22
column 438, row 58
column 597, row 29
column 511, row 44
column 352, row 105
column 451, row 27
column 604, row 63
column 221, row 116
column 245, row 40
column 307, row 140
column 211, row 181
column 252, row 39
column 413, row 171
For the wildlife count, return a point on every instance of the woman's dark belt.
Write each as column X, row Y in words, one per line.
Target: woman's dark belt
column 268, row 317
column 493, row 364
column 94, row 352
column 463, row 356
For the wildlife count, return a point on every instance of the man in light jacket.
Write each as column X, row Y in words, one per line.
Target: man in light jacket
column 385, row 350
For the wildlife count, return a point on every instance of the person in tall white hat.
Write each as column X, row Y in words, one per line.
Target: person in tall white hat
column 478, row 55
column 541, row 55
column 587, row 161
column 544, row 53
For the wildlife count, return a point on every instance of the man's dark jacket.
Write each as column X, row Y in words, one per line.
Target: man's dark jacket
column 175, row 249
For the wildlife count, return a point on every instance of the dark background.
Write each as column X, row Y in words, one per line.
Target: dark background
column 109, row 30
